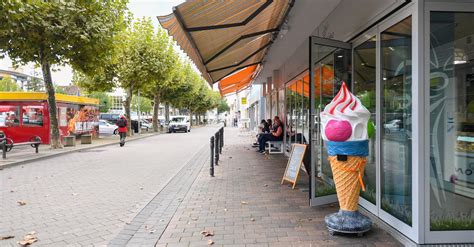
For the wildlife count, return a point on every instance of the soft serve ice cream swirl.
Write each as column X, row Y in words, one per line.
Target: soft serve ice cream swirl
column 345, row 118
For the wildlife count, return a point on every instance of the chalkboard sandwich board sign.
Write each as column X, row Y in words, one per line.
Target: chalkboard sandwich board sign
column 294, row 164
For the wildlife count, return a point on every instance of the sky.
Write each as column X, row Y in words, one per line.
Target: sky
column 139, row 8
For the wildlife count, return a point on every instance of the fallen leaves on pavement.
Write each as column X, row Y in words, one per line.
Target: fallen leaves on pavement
column 21, row 203
column 207, row 233
column 243, row 202
column 210, row 242
column 252, row 219
column 6, row 237
column 28, row 239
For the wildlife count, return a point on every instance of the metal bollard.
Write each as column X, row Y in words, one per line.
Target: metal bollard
column 221, row 131
column 222, row 136
column 211, row 170
column 216, row 152
column 4, row 148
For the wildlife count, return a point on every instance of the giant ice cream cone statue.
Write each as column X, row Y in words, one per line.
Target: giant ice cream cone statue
column 344, row 130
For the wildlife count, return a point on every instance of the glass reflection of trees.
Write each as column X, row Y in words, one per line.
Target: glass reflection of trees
column 364, row 89
column 396, row 175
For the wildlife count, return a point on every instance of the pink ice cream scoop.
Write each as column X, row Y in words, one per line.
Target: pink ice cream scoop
column 338, row 130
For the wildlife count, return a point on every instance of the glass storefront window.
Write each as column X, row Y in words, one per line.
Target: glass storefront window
column 32, row 116
column 451, row 121
column 299, row 111
column 364, row 88
column 396, row 135
column 288, row 127
column 305, row 110
column 9, row 116
column 329, row 89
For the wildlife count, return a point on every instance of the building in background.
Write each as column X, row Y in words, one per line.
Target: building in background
column 30, row 83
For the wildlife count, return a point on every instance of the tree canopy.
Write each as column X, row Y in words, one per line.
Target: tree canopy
column 9, row 85
column 48, row 33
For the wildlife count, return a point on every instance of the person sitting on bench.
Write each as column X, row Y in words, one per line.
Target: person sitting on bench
column 268, row 127
column 276, row 134
column 261, row 129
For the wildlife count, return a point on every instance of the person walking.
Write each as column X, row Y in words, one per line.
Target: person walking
column 122, row 124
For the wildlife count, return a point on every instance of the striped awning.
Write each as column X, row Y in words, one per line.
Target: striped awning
column 222, row 37
column 238, row 81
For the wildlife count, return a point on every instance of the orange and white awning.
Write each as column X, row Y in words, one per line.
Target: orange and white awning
column 238, row 81
column 223, row 37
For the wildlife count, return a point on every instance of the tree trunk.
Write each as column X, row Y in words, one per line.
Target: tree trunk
column 156, row 107
column 53, row 114
column 126, row 104
column 190, row 118
column 167, row 112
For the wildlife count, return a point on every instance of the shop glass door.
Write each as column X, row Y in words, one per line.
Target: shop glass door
column 449, row 79
column 330, row 65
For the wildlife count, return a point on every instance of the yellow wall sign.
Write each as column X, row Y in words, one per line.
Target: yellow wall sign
column 244, row 100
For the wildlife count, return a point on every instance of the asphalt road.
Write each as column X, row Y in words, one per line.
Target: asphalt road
column 87, row 197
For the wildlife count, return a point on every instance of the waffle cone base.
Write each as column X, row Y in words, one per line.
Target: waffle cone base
column 346, row 175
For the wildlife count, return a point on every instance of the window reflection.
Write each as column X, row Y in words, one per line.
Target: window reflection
column 396, row 175
column 451, row 121
column 32, row 116
column 364, row 88
column 9, row 116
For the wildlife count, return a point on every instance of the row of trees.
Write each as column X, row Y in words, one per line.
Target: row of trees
column 145, row 61
column 106, row 49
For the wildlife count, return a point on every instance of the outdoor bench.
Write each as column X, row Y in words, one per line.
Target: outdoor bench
column 274, row 147
column 7, row 144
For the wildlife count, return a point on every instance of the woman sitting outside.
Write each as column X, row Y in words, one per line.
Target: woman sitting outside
column 261, row 129
column 276, row 134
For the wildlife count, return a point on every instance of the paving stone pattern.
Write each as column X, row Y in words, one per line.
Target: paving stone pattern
column 245, row 205
column 86, row 198
column 152, row 220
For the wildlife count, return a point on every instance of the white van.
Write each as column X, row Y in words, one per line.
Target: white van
column 179, row 123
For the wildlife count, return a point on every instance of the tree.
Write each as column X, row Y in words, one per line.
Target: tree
column 167, row 73
column 8, row 85
column 104, row 100
column 50, row 33
column 145, row 104
column 223, row 106
column 58, row 89
column 35, row 84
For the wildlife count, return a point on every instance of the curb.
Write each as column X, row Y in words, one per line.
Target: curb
column 22, row 162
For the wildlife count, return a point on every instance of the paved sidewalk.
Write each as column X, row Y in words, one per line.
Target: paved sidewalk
column 23, row 154
column 86, row 198
column 245, row 205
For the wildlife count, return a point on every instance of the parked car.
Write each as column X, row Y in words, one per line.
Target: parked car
column 145, row 124
column 393, row 125
column 179, row 123
column 110, row 117
column 107, row 128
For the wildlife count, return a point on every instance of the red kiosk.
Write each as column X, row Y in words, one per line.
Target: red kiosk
column 25, row 115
